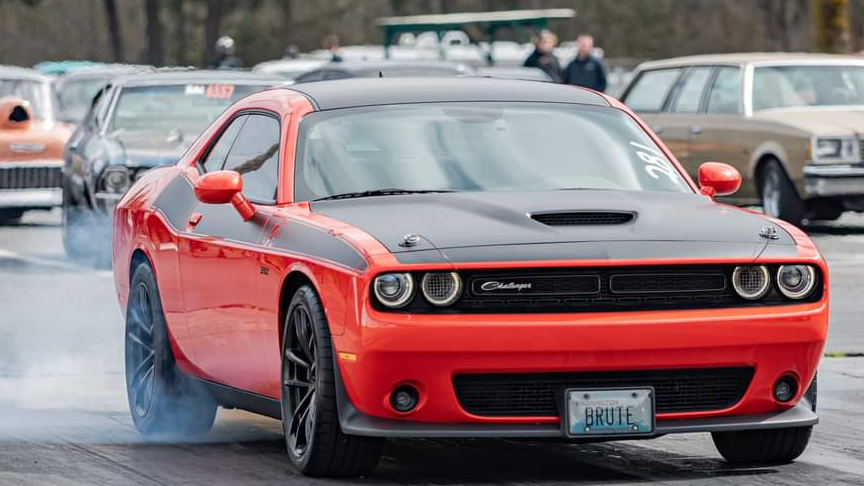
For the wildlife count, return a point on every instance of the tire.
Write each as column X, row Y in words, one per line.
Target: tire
column 315, row 443
column 824, row 210
column 162, row 401
column 779, row 197
column 8, row 216
column 771, row 446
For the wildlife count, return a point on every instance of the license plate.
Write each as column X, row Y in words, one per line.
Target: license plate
column 609, row 411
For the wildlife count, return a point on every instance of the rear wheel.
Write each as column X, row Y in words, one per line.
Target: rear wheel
column 162, row 400
column 772, row 446
column 315, row 442
column 779, row 197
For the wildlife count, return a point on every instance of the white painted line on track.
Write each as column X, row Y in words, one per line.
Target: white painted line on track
column 48, row 262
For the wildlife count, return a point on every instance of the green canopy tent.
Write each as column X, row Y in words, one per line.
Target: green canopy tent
column 489, row 22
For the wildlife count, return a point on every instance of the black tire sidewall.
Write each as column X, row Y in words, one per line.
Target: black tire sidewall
column 791, row 207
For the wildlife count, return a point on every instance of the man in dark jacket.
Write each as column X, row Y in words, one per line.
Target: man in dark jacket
column 586, row 70
column 543, row 58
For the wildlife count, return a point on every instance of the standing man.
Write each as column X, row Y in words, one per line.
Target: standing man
column 225, row 57
column 586, row 70
column 331, row 44
column 543, row 58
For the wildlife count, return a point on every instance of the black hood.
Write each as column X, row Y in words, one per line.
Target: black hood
column 484, row 226
column 151, row 148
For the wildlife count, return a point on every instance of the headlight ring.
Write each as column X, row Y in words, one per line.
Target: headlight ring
column 394, row 290
column 796, row 281
column 441, row 288
column 751, row 282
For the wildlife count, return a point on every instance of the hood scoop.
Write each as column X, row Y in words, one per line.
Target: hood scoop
column 583, row 218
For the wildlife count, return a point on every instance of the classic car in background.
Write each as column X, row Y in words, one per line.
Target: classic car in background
column 76, row 89
column 31, row 143
column 139, row 122
column 790, row 123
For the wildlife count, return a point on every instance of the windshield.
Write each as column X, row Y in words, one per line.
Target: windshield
column 76, row 96
column 799, row 86
column 38, row 94
column 186, row 107
column 478, row 147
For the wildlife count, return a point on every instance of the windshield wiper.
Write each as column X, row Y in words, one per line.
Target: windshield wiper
column 392, row 191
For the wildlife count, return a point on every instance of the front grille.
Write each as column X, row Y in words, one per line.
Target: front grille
column 580, row 218
column 36, row 177
column 539, row 395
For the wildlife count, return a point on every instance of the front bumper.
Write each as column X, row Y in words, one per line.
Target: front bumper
column 832, row 181
column 31, row 198
column 428, row 351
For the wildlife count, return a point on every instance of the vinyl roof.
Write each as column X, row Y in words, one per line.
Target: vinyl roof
column 748, row 57
column 348, row 93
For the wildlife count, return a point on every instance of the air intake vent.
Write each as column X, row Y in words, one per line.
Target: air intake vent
column 583, row 218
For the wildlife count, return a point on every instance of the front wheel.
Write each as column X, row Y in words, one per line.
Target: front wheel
column 771, row 446
column 315, row 442
column 779, row 197
column 162, row 400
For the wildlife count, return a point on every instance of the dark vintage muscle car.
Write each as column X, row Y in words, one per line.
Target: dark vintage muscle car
column 139, row 122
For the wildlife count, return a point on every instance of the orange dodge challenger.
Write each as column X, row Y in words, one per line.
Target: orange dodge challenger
column 467, row 257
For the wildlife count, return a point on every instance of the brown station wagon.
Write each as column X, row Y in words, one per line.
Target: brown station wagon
column 792, row 124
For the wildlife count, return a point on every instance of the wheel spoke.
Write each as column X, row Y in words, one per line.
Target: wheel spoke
column 147, row 361
column 303, row 336
column 135, row 339
column 292, row 357
column 139, row 388
column 292, row 382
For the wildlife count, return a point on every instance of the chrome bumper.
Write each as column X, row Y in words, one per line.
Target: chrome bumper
column 31, row 198
column 31, row 184
column 828, row 180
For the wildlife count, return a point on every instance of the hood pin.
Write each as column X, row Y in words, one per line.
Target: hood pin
column 410, row 240
column 769, row 232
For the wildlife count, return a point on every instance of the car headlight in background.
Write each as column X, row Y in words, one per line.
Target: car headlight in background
column 441, row 288
column 751, row 282
column 394, row 289
column 116, row 179
column 835, row 149
column 796, row 281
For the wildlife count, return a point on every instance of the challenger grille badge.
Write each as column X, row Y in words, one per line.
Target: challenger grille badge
column 769, row 232
column 493, row 285
column 410, row 240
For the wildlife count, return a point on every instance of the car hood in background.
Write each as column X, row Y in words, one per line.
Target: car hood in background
column 151, row 148
column 486, row 226
column 840, row 120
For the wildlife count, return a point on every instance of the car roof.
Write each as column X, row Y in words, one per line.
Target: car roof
column 356, row 92
column 106, row 71
column 747, row 58
column 362, row 66
column 196, row 76
column 15, row 72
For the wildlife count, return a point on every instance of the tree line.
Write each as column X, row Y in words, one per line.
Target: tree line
column 183, row 32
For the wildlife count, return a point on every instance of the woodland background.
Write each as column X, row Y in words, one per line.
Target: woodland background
column 182, row 32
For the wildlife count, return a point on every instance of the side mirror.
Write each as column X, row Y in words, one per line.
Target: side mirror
column 716, row 179
column 15, row 113
column 223, row 187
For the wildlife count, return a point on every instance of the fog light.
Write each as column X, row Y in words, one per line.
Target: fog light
column 785, row 389
column 404, row 398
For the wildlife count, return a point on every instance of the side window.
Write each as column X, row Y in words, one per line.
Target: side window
column 215, row 158
column 336, row 74
column 310, row 76
column 649, row 92
column 255, row 155
column 690, row 93
column 724, row 98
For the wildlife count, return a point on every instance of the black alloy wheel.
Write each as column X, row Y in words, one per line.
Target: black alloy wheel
column 313, row 438
column 162, row 400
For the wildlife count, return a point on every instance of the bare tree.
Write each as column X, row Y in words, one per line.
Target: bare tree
column 114, row 30
column 831, row 25
column 155, row 49
column 179, row 43
column 212, row 28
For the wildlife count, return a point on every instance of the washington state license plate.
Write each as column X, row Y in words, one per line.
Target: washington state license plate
column 609, row 411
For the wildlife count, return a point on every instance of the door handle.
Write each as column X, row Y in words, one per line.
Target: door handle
column 695, row 129
column 657, row 128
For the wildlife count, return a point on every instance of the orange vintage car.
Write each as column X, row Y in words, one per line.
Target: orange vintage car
column 31, row 144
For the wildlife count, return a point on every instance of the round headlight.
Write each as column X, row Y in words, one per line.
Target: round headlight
column 394, row 289
column 116, row 179
column 751, row 283
column 441, row 288
column 796, row 281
